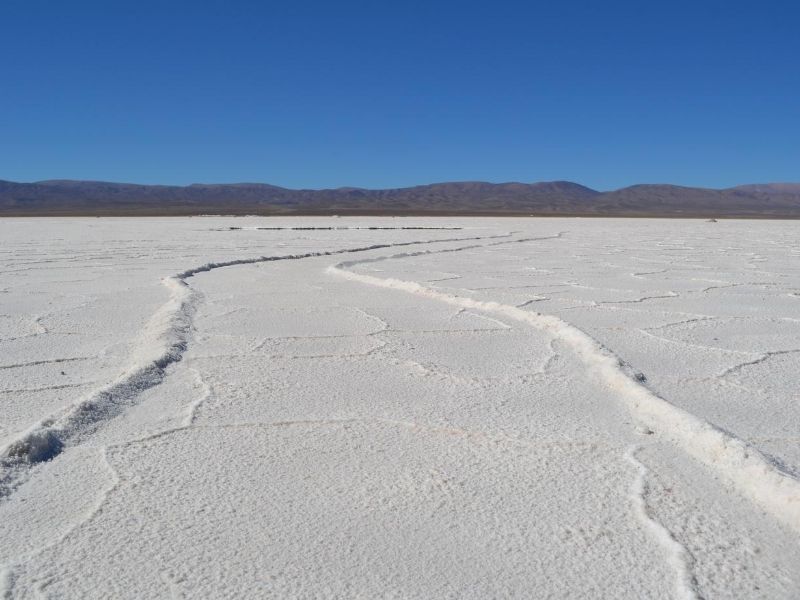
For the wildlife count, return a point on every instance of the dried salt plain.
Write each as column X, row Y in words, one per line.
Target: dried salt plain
column 251, row 407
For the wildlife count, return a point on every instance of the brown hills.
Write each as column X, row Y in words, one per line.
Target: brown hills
column 67, row 197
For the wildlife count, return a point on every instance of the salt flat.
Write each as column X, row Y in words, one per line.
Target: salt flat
column 355, row 407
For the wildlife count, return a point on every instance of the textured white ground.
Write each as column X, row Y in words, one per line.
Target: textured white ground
column 530, row 408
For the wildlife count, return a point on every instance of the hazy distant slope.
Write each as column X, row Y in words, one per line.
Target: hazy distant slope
column 772, row 189
column 677, row 200
column 67, row 197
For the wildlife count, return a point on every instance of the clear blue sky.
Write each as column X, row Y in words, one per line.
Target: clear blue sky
column 385, row 94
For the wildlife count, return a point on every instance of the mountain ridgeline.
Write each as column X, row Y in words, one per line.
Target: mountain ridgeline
column 554, row 198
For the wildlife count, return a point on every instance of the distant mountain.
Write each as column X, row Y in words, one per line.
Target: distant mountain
column 67, row 197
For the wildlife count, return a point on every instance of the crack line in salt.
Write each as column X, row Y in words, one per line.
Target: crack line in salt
column 163, row 342
column 678, row 556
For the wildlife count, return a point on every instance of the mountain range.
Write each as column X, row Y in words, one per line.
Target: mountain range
column 552, row 198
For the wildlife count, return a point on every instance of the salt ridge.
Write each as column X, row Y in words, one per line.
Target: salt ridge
column 738, row 463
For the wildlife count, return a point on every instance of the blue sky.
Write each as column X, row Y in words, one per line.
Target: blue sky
column 388, row 94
